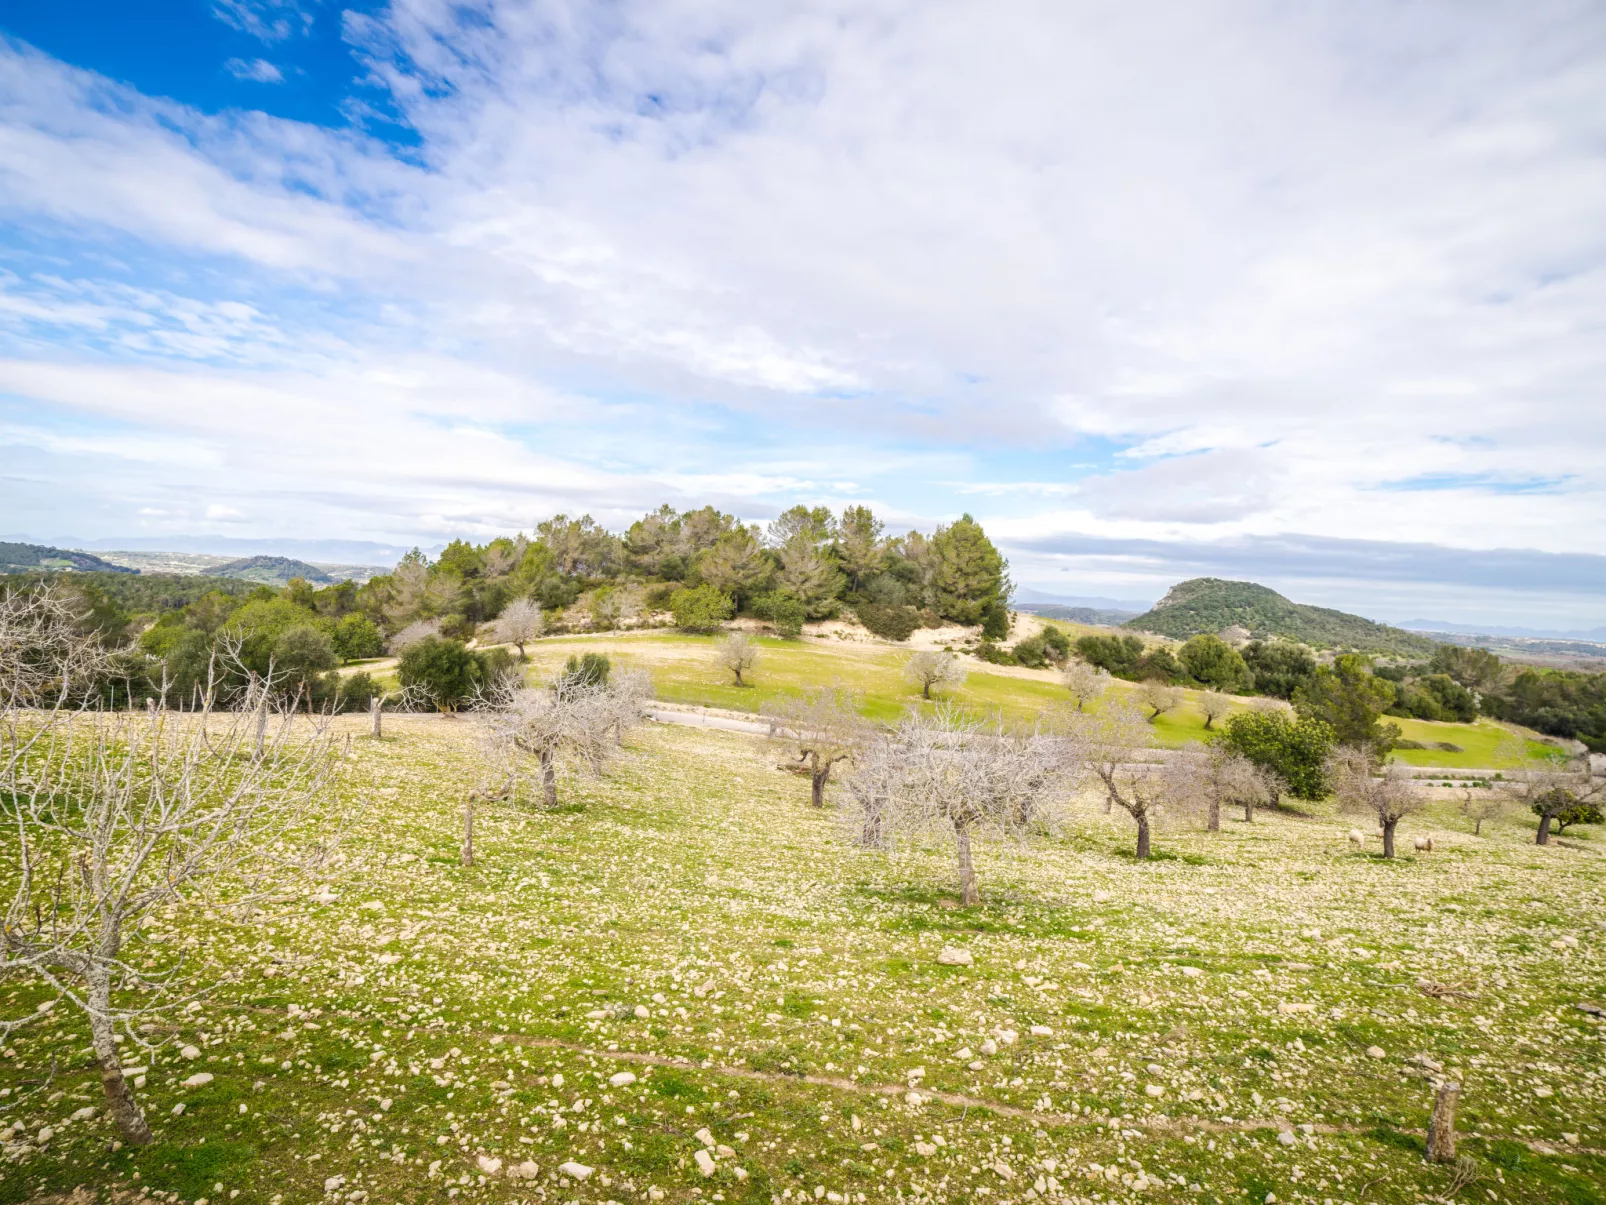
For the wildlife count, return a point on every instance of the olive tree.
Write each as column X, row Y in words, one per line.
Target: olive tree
column 821, row 728
column 1555, row 791
column 928, row 669
column 948, row 776
column 738, row 653
column 1386, row 794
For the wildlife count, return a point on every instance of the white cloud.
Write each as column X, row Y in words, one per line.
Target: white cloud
column 257, row 70
column 267, row 20
column 1274, row 263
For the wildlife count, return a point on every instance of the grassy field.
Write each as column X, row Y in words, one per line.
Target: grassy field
column 684, row 670
column 1241, row 1020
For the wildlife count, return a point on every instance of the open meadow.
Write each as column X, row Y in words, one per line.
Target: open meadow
column 684, row 985
column 684, row 669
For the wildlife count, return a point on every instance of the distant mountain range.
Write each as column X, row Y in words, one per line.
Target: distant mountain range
column 1474, row 629
column 1209, row 604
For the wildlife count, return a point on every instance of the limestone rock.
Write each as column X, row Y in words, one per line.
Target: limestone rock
column 705, row 1162
column 953, row 956
column 576, row 1171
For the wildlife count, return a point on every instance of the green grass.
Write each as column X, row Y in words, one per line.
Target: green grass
column 695, row 883
column 684, row 670
column 1481, row 745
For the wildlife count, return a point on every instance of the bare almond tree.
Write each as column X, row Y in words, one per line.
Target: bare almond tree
column 520, row 622
column 738, row 653
column 948, row 776
column 570, row 722
column 822, row 728
column 1485, row 805
column 412, row 634
column 1159, row 697
column 1215, row 706
column 1086, row 683
column 929, row 669
column 1114, row 743
column 46, row 661
column 1216, row 777
column 114, row 814
column 1387, row 795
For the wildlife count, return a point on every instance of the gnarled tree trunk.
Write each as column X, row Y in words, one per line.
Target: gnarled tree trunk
column 1543, row 836
column 1388, row 837
column 1213, row 824
column 1143, row 836
column 817, row 783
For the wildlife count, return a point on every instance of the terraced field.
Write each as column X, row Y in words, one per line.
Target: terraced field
column 684, row 986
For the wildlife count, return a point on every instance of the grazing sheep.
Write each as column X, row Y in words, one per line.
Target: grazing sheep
column 1356, row 837
column 1424, row 845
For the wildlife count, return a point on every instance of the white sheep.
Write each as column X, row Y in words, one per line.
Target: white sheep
column 1356, row 837
column 1424, row 845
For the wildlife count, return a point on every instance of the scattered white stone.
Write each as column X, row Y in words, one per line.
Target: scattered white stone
column 190, row 1052
column 576, row 1171
column 1286, row 1007
column 528, row 1170
column 84, row 1114
column 45, row 1135
column 178, row 1109
column 1543, row 1093
column 374, row 906
column 965, row 1054
column 1042, row 1031
column 1008, row 1037
column 705, row 1161
column 642, row 1012
column 1286, row 1137
column 989, row 1047
column 557, row 1080
column 334, row 1184
column 622, row 1079
column 705, row 1136
column 1191, row 972
column 386, row 960
column 131, row 1072
column 596, row 1014
column 913, row 1099
column 1375, row 1052
column 488, row 1165
column 1003, row 1170
column 199, row 1080
column 385, row 1104
column 1154, row 1090
column 953, row 956
column 1569, row 1139
column 925, row 1150
column 1155, row 1069
column 1101, row 897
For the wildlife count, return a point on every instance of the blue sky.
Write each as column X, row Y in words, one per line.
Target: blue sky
column 1311, row 294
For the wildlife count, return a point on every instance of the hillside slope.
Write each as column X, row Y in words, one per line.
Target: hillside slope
column 271, row 570
column 1209, row 604
column 25, row 558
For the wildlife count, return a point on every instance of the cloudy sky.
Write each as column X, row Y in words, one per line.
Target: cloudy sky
column 1311, row 293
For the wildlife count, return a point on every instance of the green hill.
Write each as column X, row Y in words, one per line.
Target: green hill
column 271, row 570
column 40, row 558
column 1208, row 604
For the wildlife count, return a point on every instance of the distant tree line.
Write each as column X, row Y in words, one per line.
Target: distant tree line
column 702, row 567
